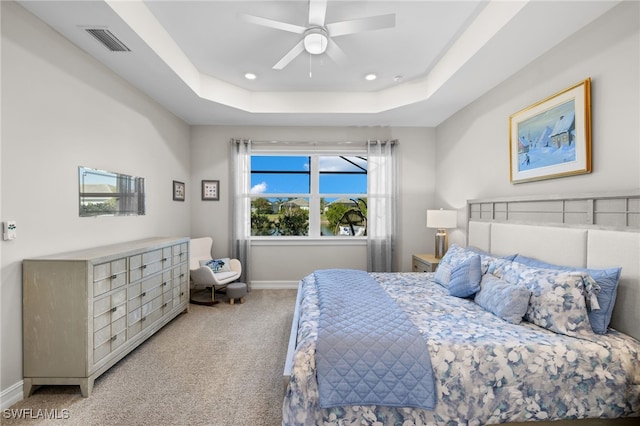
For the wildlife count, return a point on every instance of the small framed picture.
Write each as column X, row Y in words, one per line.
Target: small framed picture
column 210, row 190
column 178, row 191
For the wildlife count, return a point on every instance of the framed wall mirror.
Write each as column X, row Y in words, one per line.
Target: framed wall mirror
column 103, row 193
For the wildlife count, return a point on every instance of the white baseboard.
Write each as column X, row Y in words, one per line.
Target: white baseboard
column 274, row 285
column 10, row 396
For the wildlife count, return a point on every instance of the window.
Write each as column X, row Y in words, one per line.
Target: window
column 314, row 195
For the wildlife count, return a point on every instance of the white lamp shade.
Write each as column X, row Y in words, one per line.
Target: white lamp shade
column 442, row 219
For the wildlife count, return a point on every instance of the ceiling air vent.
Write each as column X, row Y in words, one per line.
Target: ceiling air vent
column 110, row 41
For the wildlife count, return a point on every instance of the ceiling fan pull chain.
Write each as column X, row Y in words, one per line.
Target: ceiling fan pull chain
column 310, row 73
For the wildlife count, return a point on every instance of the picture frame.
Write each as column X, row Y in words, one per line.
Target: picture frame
column 552, row 138
column 178, row 191
column 210, row 190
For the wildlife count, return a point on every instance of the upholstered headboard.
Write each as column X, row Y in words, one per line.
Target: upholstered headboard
column 571, row 244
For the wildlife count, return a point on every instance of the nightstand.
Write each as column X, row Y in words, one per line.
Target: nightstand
column 424, row 263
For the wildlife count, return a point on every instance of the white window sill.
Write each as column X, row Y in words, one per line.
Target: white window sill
column 308, row 241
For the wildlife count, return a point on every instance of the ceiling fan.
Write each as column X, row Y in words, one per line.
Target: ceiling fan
column 317, row 37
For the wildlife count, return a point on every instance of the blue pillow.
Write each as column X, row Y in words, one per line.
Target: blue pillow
column 607, row 279
column 505, row 300
column 465, row 277
column 452, row 258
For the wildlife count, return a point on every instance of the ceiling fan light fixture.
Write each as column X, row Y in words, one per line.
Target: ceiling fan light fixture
column 316, row 40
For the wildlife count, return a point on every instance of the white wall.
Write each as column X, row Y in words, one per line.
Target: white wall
column 416, row 163
column 62, row 109
column 473, row 145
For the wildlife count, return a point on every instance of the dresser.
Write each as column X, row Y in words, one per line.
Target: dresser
column 85, row 310
column 424, row 263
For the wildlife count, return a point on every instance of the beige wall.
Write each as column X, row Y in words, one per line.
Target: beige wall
column 473, row 145
column 62, row 109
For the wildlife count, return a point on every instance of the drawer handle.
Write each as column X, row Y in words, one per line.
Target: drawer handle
column 164, row 306
column 144, row 266
column 165, row 259
column 165, row 283
column 181, row 275
column 113, row 338
column 144, row 293
column 143, row 319
column 182, row 294
column 115, row 308
column 114, row 276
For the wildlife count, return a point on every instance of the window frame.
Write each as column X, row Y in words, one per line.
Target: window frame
column 314, row 196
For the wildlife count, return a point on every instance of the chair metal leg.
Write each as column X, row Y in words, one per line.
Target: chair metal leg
column 203, row 300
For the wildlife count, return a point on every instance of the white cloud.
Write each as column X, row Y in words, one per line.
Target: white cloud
column 260, row 188
column 337, row 164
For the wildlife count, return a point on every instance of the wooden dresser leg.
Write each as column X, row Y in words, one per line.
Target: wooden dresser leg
column 27, row 387
column 86, row 387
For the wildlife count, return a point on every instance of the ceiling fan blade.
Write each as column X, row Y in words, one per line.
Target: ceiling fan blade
column 335, row 53
column 290, row 56
column 317, row 12
column 359, row 25
column 270, row 23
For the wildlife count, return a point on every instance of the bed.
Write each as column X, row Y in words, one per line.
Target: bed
column 489, row 366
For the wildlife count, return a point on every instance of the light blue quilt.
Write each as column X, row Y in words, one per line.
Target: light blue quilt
column 368, row 351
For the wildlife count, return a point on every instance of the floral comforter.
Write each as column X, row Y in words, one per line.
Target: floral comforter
column 486, row 369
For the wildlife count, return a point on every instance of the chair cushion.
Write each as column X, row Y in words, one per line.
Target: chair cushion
column 221, row 276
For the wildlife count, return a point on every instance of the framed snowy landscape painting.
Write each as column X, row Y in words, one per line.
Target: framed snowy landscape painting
column 552, row 138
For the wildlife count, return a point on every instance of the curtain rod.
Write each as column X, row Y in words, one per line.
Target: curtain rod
column 314, row 143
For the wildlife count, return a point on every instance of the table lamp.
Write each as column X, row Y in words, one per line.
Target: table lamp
column 441, row 220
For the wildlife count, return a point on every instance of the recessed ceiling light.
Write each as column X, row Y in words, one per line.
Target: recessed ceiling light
column 370, row 77
column 250, row 76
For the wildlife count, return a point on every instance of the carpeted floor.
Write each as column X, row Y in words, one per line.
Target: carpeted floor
column 219, row 365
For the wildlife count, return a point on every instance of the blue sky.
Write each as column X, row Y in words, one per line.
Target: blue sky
column 299, row 183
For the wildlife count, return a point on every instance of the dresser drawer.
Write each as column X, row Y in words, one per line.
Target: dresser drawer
column 180, row 293
column 180, row 273
column 109, row 276
column 180, row 253
column 153, row 316
column 167, row 257
column 109, row 338
column 109, row 308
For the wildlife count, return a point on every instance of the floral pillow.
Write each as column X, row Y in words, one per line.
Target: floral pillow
column 607, row 279
column 455, row 256
column 558, row 298
column 218, row 265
